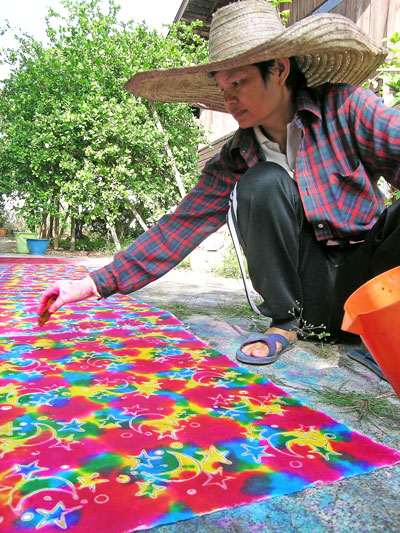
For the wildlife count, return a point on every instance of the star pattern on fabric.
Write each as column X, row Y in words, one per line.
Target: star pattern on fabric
column 185, row 373
column 222, row 383
column 118, row 367
column 147, row 388
column 220, row 400
column 217, row 478
column 90, row 481
column 141, row 460
column 102, row 395
column 10, row 388
column 6, row 447
column 149, row 488
column 43, row 398
column 253, row 433
column 56, row 516
column 28, row 470
column 6, row 429
column 255, row 452
column 73, row 426
column 212, row 456
column 111, row 422
column 65, row 442
column 168, row 431
column 34, row 374
column 134, row 410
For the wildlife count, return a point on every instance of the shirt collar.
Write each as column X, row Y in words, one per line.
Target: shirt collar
column 240, row 136
column 261, row 138
column 307, row 100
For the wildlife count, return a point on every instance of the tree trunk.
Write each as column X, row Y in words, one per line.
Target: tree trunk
column 79, row 229
column 43, row 226
column 72, row 241
column 176, row 172
column 49, row 233
column 139, row 219
column 114, row 236
column 56, row 232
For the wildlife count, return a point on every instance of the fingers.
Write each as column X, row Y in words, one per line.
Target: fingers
column 55, row 302
column 51, row 291
column 64, row 292
column 45, row 314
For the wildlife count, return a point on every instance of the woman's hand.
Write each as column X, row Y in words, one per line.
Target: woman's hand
column 64, row 292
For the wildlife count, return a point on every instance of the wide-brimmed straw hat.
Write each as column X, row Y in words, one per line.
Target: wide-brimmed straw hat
column 327, row 47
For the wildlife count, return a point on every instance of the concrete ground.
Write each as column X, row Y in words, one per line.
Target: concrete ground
column 321, row 376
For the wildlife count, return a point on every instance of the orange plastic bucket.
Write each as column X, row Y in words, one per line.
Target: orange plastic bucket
column 373, row 312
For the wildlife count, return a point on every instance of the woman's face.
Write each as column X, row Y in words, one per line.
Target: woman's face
column 250, row 100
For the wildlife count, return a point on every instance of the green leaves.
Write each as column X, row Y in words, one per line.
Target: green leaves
column 388, row 77
column 70, row 135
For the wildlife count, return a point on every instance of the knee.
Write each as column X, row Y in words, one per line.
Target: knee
column 265, row 181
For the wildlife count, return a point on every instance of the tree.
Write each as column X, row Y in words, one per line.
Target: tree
column 387, row 83
column 74, row 144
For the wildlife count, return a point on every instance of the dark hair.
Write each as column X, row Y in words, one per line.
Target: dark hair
column 295, row 80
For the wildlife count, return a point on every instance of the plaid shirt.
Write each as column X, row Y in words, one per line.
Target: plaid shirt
column 349, row 139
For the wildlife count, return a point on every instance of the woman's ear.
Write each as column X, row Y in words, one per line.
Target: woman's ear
column 282, row 68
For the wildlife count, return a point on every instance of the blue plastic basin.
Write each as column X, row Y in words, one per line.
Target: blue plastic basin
column 37, row 246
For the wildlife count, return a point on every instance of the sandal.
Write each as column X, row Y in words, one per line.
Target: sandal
column 366, row 359
column 271, row 340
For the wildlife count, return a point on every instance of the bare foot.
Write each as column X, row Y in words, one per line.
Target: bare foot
column 260, row 349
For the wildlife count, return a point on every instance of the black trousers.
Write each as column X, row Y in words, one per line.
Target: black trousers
column 304, row 284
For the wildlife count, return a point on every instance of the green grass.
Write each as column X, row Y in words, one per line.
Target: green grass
column 180, row 309
column 366, row 406
column 233, row 310
column 374, row 409
column 183, row 310
column 322, row 349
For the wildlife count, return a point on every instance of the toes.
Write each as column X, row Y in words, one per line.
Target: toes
column 256, row 350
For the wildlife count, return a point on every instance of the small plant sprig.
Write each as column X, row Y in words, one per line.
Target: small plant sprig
column 307, row 330
column 285, row 14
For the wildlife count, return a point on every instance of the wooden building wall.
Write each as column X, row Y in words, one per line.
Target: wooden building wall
column 378, row 18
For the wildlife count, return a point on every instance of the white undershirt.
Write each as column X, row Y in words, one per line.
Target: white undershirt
column 272, row 151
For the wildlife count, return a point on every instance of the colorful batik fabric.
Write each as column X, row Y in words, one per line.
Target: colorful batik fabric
column 126, row 426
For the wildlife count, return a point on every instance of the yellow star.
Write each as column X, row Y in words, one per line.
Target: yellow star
column 213, row 456
column 253, row 433
column 147, row 488
column 6, row 429
column 10, row 387
column 232, row 374
column 148, row 388
column 6, row 447
column 191, row 384
column 90, row 481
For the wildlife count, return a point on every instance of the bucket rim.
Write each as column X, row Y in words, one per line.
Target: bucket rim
column 369, row 283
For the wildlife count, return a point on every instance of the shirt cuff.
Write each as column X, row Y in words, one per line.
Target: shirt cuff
column 105, row 282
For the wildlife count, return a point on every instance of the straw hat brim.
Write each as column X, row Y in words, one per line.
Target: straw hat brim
column 328, row 48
